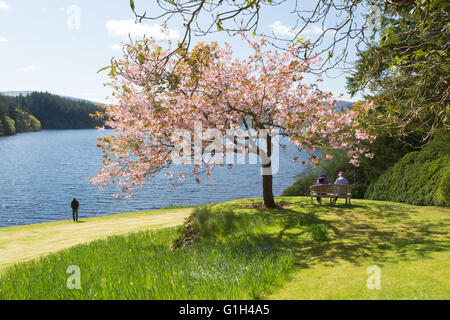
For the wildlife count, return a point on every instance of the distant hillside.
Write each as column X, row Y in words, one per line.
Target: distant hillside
column 343, row 105
column 25, row 93
column 13, row 120
column 15, row 93
column 53, row 111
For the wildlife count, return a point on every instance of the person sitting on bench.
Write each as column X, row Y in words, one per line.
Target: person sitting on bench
column 321, row 180
column 340, row 180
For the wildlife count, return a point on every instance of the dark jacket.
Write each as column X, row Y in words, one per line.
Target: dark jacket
column 75, row 204
column 322, row 180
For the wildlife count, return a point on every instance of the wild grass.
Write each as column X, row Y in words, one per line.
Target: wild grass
column 143, row 266
column 244, row 251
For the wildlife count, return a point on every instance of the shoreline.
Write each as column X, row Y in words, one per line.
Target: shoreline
column 83, row 219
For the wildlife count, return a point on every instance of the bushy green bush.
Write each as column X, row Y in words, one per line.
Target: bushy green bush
column 443, row 192
column 300, row 186
column 419, row 178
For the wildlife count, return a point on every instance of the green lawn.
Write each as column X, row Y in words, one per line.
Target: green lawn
column 302, row 251
column 27, row 242
column 410, row 245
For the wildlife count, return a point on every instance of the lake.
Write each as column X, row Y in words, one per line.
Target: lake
column 41, row 172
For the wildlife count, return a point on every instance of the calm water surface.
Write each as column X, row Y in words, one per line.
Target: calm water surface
column 41, row 172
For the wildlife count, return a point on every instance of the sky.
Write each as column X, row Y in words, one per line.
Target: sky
column 58, row 46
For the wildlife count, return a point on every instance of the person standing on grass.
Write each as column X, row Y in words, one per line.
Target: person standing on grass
column 321, row 180
column 74, row 205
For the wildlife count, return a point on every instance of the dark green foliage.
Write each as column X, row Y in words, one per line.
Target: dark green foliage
column 396, row 173
column 44, row 110
column 56, row 112
column 387, row 151
column 419, row 178
column 443, row 192
column 406, row 68
column 14, row 120
column 25, row 122
column 301, row 185
column 9, row 127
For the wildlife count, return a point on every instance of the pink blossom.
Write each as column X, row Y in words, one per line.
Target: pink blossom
column 223, row 91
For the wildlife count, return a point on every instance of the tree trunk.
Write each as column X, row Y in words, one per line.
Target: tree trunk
column 269, row 201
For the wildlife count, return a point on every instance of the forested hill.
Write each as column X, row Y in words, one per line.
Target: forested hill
column 14, row 120
column 56, row 112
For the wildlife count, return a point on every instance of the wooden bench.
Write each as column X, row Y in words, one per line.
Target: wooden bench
column 332, row 191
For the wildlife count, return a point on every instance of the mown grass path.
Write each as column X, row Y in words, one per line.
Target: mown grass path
column 29, row 242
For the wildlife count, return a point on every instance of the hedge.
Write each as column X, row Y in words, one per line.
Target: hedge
column 419, row 178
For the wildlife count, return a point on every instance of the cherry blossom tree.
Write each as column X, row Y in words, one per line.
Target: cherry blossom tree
column 208, row 94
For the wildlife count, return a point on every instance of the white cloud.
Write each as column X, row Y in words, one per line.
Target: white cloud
column 3, row 39
column 4, row 6
column 30, row 68
column 280, row 29
column 120, row 28
column 115, row 47
column 314, row 30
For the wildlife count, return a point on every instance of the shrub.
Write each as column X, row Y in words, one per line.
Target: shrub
column 442, row 197
column 300, row 187
column 419, row 178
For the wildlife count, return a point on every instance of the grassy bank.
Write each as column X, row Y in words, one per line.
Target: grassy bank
column 302, row 251
column 31, row 241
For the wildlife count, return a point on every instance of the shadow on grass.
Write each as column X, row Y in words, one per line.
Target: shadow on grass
column 376, row 232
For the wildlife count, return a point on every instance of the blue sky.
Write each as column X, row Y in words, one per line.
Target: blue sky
column 45, row 47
